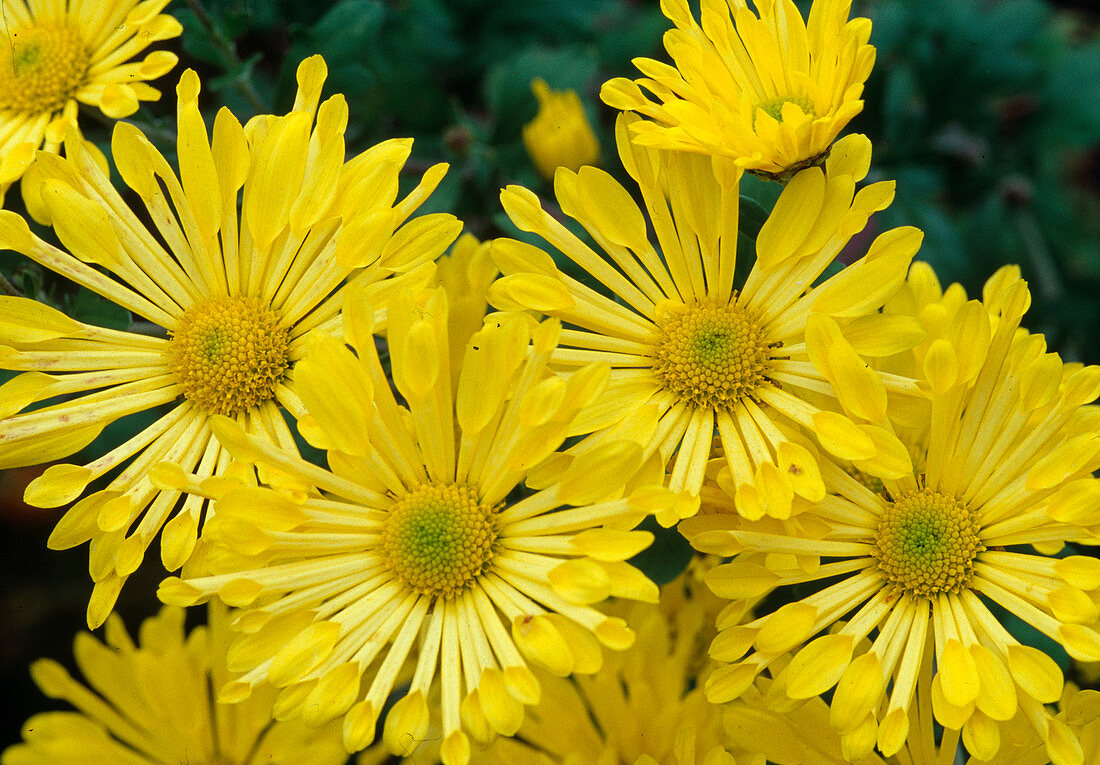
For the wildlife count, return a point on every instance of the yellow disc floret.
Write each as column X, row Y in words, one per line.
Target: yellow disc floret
column 41, row 68
column 927, row 541
column 711, row 355
column 439, row 538
column 229, row 354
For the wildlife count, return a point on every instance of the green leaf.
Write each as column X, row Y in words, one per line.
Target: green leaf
column 92, row 309
column 667, row 557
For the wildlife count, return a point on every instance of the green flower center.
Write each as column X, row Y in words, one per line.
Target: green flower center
column 774, row 106
column 438, row 539
column 926, row 543
column 41, row 68
column 711, row 355
column 229, row 354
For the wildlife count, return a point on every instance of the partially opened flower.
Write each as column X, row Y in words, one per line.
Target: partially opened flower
column 689, row 351
column 416, row 535
column 237, row 285
column 150, row 703
column 768, row 93
column 918, row 564
column 59, row 54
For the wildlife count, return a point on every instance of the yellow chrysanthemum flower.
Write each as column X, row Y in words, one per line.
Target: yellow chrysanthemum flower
column 237, row 292
column 768, row 93
column 415, row 537
column 642, row 707
column 560, row 134
column 1009, row 446
column 150, row 704
column 688, row 351
column 56, row 54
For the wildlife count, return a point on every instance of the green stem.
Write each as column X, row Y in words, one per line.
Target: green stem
column 228, row 53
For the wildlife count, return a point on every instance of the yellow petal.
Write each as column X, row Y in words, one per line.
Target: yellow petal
column 958, row 674
column 82, row 225
column 198, row 174
column 891, row 461
column 841, row 437
column 788, row 626
column 997, row 697
column 791, row 219
column 406, row 722
column 610, row 544
column 536, row 292
column 118, row 100
column 1035, row 673
column 580, row 581
column 981, row 736
column 58, row 485
column 542, row 644
column 817, row 667
column 503, row 712
column 303, row 653
column 941, row 366
column 343, row 418
column 359, row 726
column 29, row 321
column 801, row 469
column 1080, row 642
column 599, row 474
column 859, row 690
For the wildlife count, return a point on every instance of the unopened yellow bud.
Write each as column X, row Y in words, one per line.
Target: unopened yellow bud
column 560, row 135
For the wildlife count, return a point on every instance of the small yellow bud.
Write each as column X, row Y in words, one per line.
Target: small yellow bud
column 560, row 135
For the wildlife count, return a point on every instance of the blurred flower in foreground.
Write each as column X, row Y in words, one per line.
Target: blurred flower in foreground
column 238, row 298
column 1008, row 451
column 413, row 537
column 150, row 704
column 690, row 353
column 560, row 135
column 56, row 54
column 770, row 93
column 642, row 706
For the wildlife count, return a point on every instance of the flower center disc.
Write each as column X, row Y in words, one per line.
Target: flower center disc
column 228, row 354
column 711, row 355
column 774, row 106
column 927, row 541
column 41, row 68
column 438, row 539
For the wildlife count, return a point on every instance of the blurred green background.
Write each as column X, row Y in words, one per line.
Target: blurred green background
column 986, row 112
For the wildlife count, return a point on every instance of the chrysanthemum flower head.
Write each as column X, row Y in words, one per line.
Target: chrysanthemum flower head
column 237, row 285
column 149, row 703
column 766, row 91
column 416, row 535
column 917, row 563
column 560, row 134
column 689, row 352
column 59, row 54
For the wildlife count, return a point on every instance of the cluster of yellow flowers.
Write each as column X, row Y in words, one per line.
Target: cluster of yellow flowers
column 897, row 465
